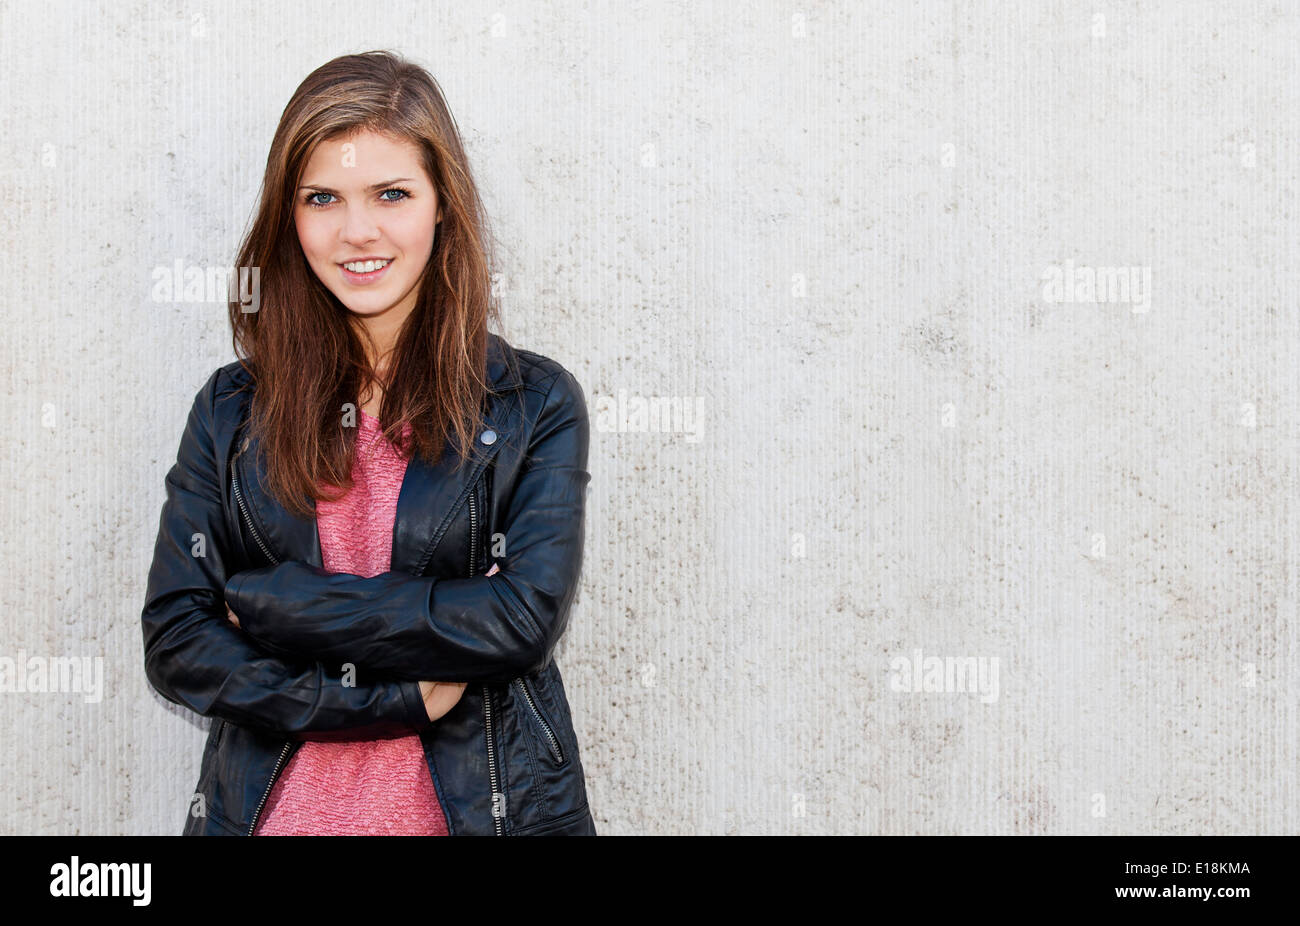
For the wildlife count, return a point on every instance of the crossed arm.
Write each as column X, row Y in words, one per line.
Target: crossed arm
column 276, row 669
column 491, row 627
column 195, row 658
column 439, row 697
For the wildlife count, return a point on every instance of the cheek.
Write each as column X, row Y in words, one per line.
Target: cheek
column 413, row 234
column 313, row 236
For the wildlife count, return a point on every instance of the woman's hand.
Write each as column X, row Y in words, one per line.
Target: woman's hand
column 440, row 697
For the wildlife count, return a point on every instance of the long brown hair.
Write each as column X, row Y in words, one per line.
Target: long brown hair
column 305, row 354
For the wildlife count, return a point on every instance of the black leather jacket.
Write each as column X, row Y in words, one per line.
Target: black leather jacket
column 330, row 656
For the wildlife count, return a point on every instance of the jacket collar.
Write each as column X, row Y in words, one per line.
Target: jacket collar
column 432, row 491
column 502, row 364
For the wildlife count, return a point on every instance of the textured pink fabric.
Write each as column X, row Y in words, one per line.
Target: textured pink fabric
column 358, row 787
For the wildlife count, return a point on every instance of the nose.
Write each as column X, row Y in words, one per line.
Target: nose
column 358, row 226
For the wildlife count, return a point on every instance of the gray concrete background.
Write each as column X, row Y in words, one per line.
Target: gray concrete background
column 829, row 224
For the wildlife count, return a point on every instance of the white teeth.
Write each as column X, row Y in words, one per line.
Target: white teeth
column 367, row 266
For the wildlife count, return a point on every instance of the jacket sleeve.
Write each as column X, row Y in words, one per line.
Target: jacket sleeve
column 194, row 656
column 483, row 628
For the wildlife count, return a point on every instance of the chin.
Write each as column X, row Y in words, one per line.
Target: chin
column 367, row 309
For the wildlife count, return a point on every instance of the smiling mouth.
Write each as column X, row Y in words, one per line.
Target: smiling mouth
column 365, row 272
column 368, row 265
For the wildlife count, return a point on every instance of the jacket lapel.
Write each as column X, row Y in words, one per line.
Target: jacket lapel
column 289, row 536
column 433, row 494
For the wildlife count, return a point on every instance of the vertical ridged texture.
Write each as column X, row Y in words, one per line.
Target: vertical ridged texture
column 904, row 445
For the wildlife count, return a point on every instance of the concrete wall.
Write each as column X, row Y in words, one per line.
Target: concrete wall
column 832, row 229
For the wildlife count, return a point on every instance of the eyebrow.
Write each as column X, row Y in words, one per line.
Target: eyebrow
column 370, row 189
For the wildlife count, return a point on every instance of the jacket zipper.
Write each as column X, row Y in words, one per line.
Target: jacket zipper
column 498, row 822
column 546, row 727
column 473, row 532
column 252, row 529
column 284, row 754
column 248, row 519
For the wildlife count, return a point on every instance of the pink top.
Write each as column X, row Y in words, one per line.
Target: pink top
column 373, row 787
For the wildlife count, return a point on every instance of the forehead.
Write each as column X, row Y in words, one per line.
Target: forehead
column 360, row 158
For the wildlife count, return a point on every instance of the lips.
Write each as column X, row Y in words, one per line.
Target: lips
column 365, row 277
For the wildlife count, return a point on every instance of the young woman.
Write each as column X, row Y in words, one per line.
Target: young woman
column 373, row 531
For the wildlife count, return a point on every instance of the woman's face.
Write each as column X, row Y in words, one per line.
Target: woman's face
column 367, row 198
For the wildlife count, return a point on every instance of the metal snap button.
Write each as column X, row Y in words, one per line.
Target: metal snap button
column 488, row 437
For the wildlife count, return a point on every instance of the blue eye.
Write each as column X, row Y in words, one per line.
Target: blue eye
column 310, row 198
